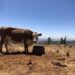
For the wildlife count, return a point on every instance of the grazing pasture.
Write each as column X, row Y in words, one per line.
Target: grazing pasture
column 54, row 62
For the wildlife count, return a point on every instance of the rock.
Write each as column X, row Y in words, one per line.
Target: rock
column 57, row 63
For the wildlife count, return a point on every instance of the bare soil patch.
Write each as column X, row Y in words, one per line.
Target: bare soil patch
column 53, row 62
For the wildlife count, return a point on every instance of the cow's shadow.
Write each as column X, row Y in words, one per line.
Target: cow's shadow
column 37, row 50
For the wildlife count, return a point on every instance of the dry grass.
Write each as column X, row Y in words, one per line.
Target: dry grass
column 53, row 62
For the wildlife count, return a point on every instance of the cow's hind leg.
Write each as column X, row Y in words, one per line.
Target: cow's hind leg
column 1, row 44
column 6, row 45
column 6, row 42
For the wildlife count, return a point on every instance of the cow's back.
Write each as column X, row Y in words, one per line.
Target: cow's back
column 16, row 34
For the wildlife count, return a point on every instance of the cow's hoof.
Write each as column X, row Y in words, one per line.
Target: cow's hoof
column 6, row 52
column 1, row 53
column 27, row 53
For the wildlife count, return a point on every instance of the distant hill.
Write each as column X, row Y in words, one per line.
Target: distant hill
column 43, row 40
column 71, row 42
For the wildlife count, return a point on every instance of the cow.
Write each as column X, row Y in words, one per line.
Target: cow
column 18, row 35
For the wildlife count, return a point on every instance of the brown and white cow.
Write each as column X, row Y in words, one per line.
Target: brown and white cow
column 17, row 35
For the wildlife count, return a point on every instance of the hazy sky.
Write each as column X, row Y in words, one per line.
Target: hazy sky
column 55, row 18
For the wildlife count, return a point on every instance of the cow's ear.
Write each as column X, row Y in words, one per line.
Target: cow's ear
column 39, row 34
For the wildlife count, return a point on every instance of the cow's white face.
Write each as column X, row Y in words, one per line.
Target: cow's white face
column 35, row 36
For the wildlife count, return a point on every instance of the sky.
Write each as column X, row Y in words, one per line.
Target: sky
column 53, row 18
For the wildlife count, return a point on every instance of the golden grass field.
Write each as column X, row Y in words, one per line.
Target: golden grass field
column 53, row 62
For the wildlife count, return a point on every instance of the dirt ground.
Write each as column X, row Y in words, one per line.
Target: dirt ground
column 57, row 60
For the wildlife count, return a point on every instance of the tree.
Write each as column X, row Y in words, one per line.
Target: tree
column 63, row 40
column 49, row 40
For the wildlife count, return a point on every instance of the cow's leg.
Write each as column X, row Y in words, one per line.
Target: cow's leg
column 6, row 45
column 26, row 48
column 1, row 44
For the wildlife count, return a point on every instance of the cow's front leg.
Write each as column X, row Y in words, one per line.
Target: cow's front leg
column 26, row 48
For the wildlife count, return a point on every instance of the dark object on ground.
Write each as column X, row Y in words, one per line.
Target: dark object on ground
column 59, row 64
column 68, row 53
column 62, row 59
column 38, row 50
column 30, row 62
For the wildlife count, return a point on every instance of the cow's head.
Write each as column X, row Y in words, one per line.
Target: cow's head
column 35, row 36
